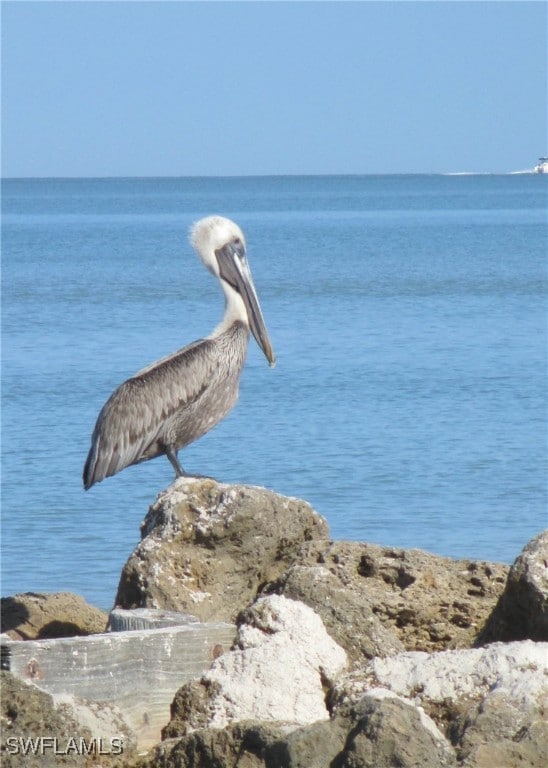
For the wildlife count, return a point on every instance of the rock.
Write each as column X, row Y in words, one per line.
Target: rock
column 278, row 670
column 416, row 695
column 380, row 731
column 519, row 669
column 241, row 745
column 39, row 733
column 387, row 731
column 499, row 732
column 28, row 711
column 376, row 601
column 493, row 700
column 207, row 548
column 522, row 610
column 30, row 616
column 347, row 616
column 316, row 745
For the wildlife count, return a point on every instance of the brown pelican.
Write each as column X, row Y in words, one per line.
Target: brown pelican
column 179, row 398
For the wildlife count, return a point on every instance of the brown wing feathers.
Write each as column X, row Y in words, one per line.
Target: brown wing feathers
column 133, row 418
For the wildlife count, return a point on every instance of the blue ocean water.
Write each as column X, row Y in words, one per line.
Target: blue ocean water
column 408, row 315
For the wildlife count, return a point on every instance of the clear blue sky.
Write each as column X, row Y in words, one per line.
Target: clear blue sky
column 229, row 88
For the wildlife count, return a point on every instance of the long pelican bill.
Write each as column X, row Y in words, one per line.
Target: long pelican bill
column 234, row 269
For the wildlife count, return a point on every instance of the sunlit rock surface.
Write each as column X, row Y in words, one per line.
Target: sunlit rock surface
column 208, row 548
column 346, row 655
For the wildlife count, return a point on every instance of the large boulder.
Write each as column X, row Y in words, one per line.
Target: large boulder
column 32, row 616
column 522, row 610
column 282, row 663
column 377, row 601
column 208, row 548
column 387, row 731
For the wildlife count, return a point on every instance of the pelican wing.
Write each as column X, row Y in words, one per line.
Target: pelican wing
column 132, row 420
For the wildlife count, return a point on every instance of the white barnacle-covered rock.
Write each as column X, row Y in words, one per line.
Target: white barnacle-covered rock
column 276, row 671
column 519, row 670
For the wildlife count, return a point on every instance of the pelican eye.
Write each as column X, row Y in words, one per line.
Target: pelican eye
column 238, row 247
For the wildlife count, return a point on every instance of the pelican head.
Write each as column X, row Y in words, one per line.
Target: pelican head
column 220, row 244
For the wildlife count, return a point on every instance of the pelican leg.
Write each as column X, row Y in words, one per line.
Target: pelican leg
column 172, row 456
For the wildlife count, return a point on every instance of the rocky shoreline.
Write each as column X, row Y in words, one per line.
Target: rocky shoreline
column 345, row 654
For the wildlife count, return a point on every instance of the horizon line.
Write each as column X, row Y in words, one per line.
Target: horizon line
column 266, row 175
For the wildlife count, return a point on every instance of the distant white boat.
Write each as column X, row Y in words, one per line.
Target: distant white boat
column 541, row 166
